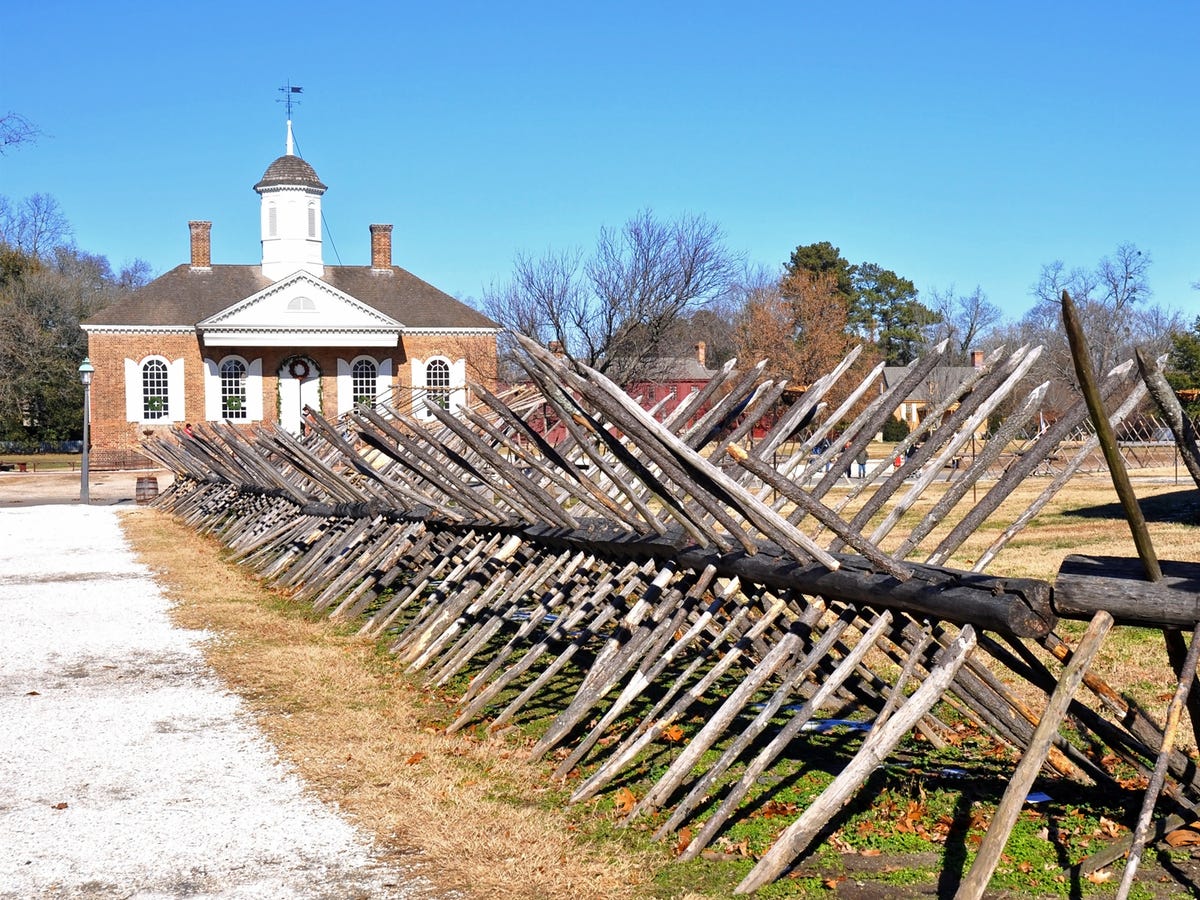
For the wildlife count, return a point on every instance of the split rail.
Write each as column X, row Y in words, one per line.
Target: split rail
column 655, row 575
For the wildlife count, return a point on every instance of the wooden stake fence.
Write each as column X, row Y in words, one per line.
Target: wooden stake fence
column 665, row 578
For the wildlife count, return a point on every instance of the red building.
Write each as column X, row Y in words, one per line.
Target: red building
column 670, row 381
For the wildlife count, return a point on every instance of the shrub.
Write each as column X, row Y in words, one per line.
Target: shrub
column 894, row 429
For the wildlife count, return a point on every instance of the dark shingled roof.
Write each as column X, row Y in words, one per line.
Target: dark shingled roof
column 184, row 296
column 290, row 170
column 675, row 368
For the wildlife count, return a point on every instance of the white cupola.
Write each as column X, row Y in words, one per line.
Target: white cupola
column 291, row 216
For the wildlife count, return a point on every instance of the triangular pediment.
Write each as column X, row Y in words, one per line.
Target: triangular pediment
column 300, row 300
column 300, row 310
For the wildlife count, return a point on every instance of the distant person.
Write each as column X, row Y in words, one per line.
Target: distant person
column 187, row 429
column 862, row 460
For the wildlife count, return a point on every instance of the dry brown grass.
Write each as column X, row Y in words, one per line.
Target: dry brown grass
column 330, row 705
column 1133, row 659
column 479, row 817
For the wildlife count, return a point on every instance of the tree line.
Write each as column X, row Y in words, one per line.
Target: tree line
column 47, row 287
column 646, row 294
column 650, row 290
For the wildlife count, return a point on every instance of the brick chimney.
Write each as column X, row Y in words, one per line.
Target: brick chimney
column 977, row 359
column 381, row 248
column 701, row 353
column 201, row 245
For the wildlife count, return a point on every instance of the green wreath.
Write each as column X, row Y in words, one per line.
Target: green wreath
column 154, row 404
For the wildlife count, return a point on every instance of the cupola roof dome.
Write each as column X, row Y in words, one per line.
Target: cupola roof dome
column 290, row 170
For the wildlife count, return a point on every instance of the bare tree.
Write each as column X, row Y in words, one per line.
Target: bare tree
column 134, row 275
column 541, row 301
column 617, row 309
column 714, row 323
column 1111, row 301
column 15, row 130
column 35, row 225
column 42, row 302
column 968, row 320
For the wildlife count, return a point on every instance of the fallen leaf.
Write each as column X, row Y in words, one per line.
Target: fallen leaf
column 1188, row 836
column 832, row 883
column 870, row 851
column 672, row 733
column 775, row 808
column 685, row 838
column 59, row 806
column 624, row 801
column 1109, row 828
column 33, row 694
column 415, row 758
column 1100, row 877
column 840, row 844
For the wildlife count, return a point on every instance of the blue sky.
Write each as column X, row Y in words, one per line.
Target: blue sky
column 957, row 144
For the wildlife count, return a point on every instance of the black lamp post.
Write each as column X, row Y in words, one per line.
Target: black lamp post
column 85, row 376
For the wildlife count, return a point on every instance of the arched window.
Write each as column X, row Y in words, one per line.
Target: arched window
column 233, row 389
column 312, row 220
column 301, row 304
column 437, row 383
column 364, row 377
column 155, row 390
column 272, row 220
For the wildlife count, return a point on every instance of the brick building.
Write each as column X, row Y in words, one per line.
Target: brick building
column 250, row 344
column 670, row 381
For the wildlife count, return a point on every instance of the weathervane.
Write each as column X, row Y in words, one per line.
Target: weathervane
column 289, row 92
column 289, row 96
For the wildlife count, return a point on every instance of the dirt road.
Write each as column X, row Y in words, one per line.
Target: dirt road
column 58, row 487
column 126, row 768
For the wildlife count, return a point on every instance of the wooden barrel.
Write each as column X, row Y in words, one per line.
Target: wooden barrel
column 147, row 489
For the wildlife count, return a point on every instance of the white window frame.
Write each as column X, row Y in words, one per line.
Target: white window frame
column 345, row 381
column 134, row 399
column 457, row 390
column 213, row 411
column 242, row 412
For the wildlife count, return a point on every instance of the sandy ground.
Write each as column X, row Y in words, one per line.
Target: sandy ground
column 126, row 768
column 104, row 488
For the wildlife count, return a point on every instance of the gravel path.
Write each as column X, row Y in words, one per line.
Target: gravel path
column 126, row 769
